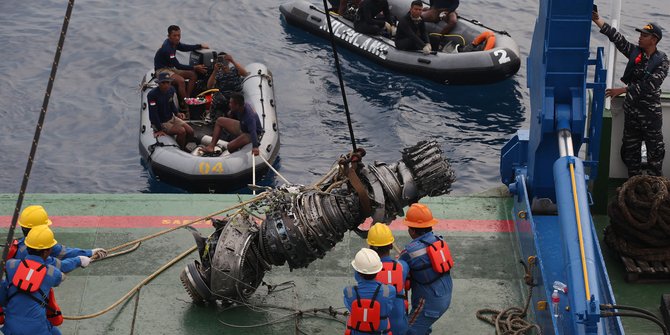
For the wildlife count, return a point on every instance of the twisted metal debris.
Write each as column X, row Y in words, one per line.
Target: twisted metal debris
column 303, row 223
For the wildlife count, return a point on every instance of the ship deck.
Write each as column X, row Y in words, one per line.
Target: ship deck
column 478, row 229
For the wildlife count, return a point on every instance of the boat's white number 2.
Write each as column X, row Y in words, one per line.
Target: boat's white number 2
column 502, row 56
column 206, row 168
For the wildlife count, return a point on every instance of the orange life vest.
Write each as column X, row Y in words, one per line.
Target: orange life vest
column 366, row 315
column 29, row 275
column 54, row 314
column 439, row 255
column 487, row 36
column 27, row 279
column 391, row 274
column 13, row 248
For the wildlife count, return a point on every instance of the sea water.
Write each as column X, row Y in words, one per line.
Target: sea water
column 89, row 143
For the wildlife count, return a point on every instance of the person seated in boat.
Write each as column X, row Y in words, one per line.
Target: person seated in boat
column 370, row 303
column 242, row 122
column 227, row 78
column 63, row 258
column 26, row 294
column 412, row 33
column 367, row 20
column 345, row 8
column 163, row 113
column 166, row 60
column 442, row 10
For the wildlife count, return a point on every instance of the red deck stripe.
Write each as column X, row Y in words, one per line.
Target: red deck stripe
column 502, row 226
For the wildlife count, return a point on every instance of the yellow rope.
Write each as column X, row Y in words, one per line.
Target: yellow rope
column 579, row 231
column 242, row 204
column 134, row 289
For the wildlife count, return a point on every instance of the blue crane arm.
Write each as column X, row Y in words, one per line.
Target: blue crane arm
column 540, row 166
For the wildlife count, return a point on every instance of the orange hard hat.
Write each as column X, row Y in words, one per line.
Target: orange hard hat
column 419, row 216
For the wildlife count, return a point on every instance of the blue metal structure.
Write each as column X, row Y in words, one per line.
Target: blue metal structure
column 548, row 180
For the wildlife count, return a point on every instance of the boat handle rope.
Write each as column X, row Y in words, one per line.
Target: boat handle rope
column 38, row 131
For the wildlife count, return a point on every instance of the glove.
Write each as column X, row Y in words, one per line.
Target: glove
column 427, row 49
column 99, row 253
column 85, row 261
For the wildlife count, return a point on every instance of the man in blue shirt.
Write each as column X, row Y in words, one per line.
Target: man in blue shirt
column 380, row 239
column 430, row 263
column 24, row 293
column 242, row 122
column 163, row 114
column 166, row 60
column 369, row 302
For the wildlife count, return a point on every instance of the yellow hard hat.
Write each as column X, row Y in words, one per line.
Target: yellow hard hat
column 367, row 262
column 40, row 238
column 419, row 216
column 380, row 235
column 33, row 216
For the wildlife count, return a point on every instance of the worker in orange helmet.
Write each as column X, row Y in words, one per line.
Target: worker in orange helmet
column 430, row 264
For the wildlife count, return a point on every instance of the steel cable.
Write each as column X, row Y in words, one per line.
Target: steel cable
column 38, row 130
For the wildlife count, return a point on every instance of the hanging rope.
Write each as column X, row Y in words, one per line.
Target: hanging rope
column 640, row 219
column 38, row 131
column 339, row 76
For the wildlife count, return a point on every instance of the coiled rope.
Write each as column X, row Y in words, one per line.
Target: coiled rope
column 511, row 320
column 640, row 219
column 38, row 131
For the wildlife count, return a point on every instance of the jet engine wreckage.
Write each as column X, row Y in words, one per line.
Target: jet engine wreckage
column 302, row 223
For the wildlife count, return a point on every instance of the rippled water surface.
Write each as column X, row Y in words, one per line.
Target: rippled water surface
column 89, row 141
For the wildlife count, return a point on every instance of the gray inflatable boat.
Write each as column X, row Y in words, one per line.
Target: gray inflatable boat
column 227, row 172
column 475, row 67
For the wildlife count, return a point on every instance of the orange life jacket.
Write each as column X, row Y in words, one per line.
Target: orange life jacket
column 27, row 279
column 29, row 275
column 13, row 248
column 391, row 274
column 439, row 255
column 54, row 314
column 366, row 315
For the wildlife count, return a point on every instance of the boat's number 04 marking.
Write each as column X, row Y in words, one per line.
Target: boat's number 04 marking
column 206, row 168
column 501, row 56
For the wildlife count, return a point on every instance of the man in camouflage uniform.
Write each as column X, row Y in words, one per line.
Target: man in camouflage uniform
column 646, row 69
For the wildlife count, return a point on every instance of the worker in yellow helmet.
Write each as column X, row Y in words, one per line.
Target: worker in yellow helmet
column 380, row 239
column 430, row 263
column 27, row 293
column 64, row 258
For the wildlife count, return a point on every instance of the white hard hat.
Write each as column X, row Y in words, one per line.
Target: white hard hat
column 367, row 262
